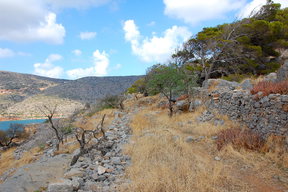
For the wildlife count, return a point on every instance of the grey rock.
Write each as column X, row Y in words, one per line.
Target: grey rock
column 116, row 160
column 63, row 186
column 247, row 84
column 190, row 139
column 282, row 73
column 220, row 83
column 74, row 172
column 217, row 158
column 206, row 116
column 219, row 122
column 270, row 77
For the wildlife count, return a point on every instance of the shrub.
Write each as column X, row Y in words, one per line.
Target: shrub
column 15, row 131
column 240, row 138
column 236, row 77
column 268, row 87
column 110, row 102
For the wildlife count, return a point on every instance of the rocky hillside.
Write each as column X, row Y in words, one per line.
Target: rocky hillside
column 17, row 89
column 89, row 89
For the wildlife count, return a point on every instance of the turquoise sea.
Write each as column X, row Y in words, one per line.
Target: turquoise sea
column 4, row 125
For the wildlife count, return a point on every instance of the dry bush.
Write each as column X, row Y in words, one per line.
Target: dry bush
column 240, row 138
column 268, row 87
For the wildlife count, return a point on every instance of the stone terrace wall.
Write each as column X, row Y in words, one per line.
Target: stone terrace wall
column 269, row 115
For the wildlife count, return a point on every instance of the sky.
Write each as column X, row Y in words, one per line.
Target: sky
column 71, row 39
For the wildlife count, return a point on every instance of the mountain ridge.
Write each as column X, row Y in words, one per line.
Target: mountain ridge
column 16, row 88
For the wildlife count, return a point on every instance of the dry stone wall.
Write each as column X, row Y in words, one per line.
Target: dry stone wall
column 269, row 115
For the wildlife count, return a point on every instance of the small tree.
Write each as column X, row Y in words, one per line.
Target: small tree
column 84, row 137
column 15, row 131
column 49, row 113
column 113, row 101
column 168, row 80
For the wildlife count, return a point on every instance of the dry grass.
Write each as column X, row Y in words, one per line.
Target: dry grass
column 8, row 161
column 160, row 164
column 163, row 162
column 90, row 123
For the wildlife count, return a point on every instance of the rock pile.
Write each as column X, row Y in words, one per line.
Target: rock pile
column 100, row 170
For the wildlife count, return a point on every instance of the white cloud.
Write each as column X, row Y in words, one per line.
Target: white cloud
column 28, row 21
column 78, row 4
column 154, row 49
column 4, row 52
column 77, row 52
column 99, row 68
column 195, row 11
column 87, row 35
column 255, row 6
column 47, row 68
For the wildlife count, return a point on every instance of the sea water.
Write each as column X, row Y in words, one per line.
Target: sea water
column 4, row 125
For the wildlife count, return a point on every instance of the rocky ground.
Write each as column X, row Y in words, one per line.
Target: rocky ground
column 98, row 170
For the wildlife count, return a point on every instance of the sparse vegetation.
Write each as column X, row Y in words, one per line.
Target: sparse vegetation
column 240, row 138
column 15, row 131
column 268, row 87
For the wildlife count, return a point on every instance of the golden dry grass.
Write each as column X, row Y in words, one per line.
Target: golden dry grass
column 163, row 162
column 7, row 160
column 90, row 123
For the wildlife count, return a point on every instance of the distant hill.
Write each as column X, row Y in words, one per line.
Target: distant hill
column 17, row 88
column 26, row 83
column 89, row 89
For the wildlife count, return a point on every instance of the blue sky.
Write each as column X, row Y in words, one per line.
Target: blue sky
column 76, row 38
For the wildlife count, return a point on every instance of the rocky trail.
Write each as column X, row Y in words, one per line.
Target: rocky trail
column 95, row 171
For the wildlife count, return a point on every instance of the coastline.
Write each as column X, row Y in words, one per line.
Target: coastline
column 26, row 118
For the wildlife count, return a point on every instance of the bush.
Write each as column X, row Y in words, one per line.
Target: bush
column 108, row 102
column 268, row 87
column 240, row 138
column 236, row 77
column 15, row 131
column 111, row 102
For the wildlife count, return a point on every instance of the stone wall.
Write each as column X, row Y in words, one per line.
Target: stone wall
column 269, row 115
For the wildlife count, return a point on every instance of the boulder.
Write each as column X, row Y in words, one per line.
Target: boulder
column 219, row 83
column 182, row 105
column 246, row 85
column 282, row 73
column 74, row 173
column 270, row 77
column 63, row 186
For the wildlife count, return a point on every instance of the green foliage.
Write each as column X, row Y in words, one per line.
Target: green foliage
column 247, row 46
column 67, row 129
column 110, row 102
column 167, row 80
column 138, row 87
column 236, row 77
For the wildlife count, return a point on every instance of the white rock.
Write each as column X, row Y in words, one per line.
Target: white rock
column 101, row 170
